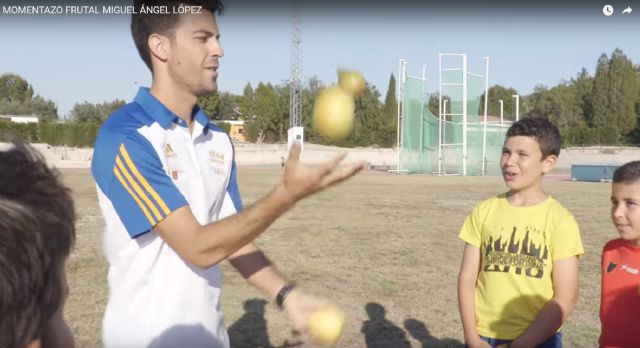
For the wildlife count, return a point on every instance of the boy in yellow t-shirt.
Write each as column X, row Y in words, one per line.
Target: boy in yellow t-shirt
column 518, row 280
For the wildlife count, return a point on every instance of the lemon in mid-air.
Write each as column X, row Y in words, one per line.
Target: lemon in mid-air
column 351, row 81
column 333, row 113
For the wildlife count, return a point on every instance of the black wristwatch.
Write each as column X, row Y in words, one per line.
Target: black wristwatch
column 283, row 293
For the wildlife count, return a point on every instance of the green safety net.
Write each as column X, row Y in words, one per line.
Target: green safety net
column 421, row 149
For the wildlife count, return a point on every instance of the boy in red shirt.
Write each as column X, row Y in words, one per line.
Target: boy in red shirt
column 620, row 299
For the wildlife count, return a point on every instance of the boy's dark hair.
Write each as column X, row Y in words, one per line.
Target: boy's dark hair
column 546, row 134
column 36, row 235
column 628, row 173
column 145, row 24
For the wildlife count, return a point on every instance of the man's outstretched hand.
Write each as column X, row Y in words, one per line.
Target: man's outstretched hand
column 301, row 181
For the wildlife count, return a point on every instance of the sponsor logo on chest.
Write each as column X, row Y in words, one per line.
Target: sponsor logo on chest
column 168, row 150
column 217, row 162
column 216, row 157
column 629, row 269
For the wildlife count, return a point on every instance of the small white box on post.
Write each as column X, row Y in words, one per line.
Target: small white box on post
column 295, row 134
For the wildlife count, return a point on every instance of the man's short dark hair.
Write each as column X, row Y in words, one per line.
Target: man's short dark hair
column 542, row 130
column 144, row 25
column 628, row 173
column 36, row 235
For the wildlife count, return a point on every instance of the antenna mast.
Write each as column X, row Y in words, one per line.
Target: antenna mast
column 295, row 89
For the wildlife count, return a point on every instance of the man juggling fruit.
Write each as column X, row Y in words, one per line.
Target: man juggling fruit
column 167, row 188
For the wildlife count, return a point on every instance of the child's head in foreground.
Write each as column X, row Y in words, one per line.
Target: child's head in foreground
column 36, row 235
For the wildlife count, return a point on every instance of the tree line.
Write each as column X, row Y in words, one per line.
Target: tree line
column 599, row 109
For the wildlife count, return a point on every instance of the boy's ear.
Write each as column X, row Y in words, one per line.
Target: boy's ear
column 548, row 163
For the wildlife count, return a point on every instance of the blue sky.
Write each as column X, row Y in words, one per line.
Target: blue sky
column 76, row 58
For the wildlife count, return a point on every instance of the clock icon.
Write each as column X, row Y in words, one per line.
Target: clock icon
column 607, row 10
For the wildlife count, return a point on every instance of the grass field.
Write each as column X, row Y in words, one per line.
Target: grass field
column 384, row 247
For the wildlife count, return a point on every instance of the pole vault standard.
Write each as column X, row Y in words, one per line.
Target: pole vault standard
column 462, row 135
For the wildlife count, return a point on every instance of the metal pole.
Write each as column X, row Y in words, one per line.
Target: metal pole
column 464, row 114
column 484, row 130
column 400, row 95
column 501, row 110
column 517, row 106
column 440, row 114
column 421, row 153
column 444, row 120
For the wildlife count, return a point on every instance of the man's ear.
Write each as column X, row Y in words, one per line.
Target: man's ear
column 159, row 47
column 548, row 163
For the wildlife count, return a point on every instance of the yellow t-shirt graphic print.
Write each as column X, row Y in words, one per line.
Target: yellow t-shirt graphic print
column 518, row 246
column 529, row 254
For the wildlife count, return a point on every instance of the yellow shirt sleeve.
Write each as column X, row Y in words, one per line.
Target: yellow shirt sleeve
column 565, row 239
column 471, row 228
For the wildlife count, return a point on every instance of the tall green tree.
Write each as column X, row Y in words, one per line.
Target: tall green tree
column 284, row 92
column 497, row 93
column 634, row 136
column 584, row 93
column 94, row 113
column 600, row 100
column 433, row 105
column 538, row 103
column 228, row 105
column 310, row 92
column 268, row 113
column 567, row 109
column 622, row 92
column 17, row 98
column 219, row 105
column 46, row 110
column 390, row 114
column 561, row 104
column 370, row 123
column 210, row 104
column 246, row 102
column 14, row 88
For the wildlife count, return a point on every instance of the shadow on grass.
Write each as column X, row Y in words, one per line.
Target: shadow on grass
column 251, row 329
column 379, row 332
column 419, row 331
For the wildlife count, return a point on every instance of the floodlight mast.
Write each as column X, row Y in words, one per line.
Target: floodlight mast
column 295, row 133
column 295, row 88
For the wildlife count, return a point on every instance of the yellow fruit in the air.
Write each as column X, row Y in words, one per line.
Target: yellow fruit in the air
column 326, row 324
column 351, row 81
column 333, row 113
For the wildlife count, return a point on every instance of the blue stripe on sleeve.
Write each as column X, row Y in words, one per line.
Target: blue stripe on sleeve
column 233, row 191
column 145, row 184
column 129, row 172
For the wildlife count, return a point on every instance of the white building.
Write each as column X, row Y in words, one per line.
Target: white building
column 19, row 118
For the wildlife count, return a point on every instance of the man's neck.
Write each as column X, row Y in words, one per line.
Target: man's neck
column 180, row 102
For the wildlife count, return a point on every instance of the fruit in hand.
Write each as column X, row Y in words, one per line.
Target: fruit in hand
column 326, row 325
